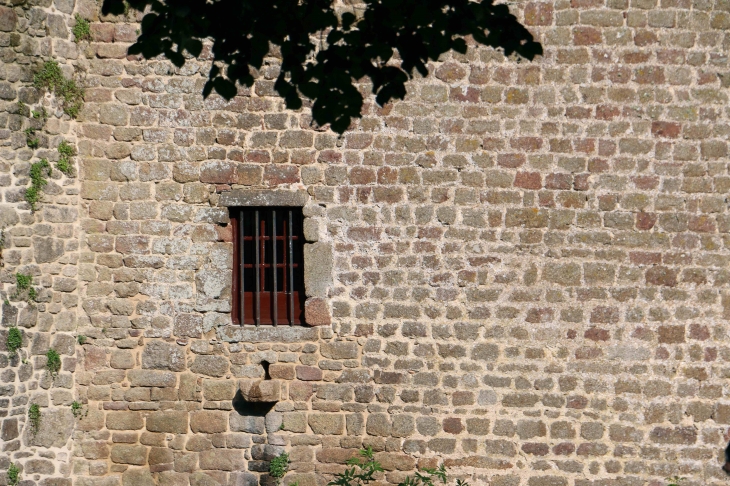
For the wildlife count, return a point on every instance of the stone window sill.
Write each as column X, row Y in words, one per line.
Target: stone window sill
column 270, row 334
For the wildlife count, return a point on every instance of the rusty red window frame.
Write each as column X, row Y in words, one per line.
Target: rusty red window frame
column 260, row 295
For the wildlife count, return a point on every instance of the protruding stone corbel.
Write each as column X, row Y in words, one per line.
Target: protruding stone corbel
column 260, row 391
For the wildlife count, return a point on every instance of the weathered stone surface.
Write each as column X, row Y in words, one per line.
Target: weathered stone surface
column 170, row 421
column 152, row 378
column 260, row 391
column 208, row 422
column 137, row 477
column 281, row 334
column 129, row 454
column 327, row 424
column 159, row 355
column 47, row 249
column 318, row 261
column 247, row 197
column 222, row 460
column 210, row 365
column 54, row 430
column 519, row 269
column 8, row 19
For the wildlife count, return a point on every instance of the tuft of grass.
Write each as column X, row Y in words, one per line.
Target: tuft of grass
column 82, row 29
column 71, row 95
column 24, row 283
column 53, row 362
column 34, row 417
column 14, row 341
column 13, row 475
column 30, row 139
column 81, row 339
column 38, row 172
column 279, row 466
column 65, row 152
column 39, row 114
column 78, row 410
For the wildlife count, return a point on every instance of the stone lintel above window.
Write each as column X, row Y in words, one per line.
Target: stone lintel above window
column 255, row 197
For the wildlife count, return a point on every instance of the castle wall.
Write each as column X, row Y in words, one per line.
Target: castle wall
column 520, row 270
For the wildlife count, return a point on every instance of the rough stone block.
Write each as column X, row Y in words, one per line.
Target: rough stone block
column 260, row 391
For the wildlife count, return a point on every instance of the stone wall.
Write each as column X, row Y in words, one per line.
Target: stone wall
column 520, row 270
column 43, row 245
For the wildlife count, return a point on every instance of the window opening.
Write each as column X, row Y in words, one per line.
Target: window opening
column 268, row 277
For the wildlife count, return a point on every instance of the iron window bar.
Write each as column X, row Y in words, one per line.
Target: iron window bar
column 269, row 242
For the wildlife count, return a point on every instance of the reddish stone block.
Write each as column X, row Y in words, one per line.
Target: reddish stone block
column 536, row 449
column 645, row 37
column 102, row 32
column 645, row 258
column 539, row 14
column 662, row 276
column 564, row 449
column 702, row 224
column 539, row 315
column 453, row 425
column 528, row 180
column 597, row 334
column 317, row 313
column 653, row 75
column 665, row 129
column 275, row 175
column 511, row 161
column 586, row 36
column 645, row 221
column 464, row 95
column 559, row 181
column 450, row 72
column 218, row 172
column 607, row 112
column 308, row 373
column 529, row 144
column 581, row 182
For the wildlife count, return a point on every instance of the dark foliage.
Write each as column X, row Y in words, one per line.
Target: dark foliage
column 323, row 53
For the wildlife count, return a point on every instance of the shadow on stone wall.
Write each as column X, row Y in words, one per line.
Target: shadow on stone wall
column 386, row 42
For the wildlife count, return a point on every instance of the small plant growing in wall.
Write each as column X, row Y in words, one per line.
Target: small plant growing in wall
column 78, row 410
column 38, row 172
column 65, row 152
column 69, row 94
column 53, row 362
column 30, row 139
column 81, row 339
column 34, row 418
column 24, row 284
column 14, row 341
column 39, row 114
column 362, row 472
column 675, row 481
column 82, row 29
column 278, row 467
column 13, row 475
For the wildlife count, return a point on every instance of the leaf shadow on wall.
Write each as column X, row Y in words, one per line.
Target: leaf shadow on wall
column 323, row 51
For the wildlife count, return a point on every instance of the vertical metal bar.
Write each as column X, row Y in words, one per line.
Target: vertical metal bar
column 284, row 264
column 290, row 269
column 257, row 266
column 241, row 261
column 275, row 308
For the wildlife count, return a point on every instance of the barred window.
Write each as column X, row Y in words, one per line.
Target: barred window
column 268, row 270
